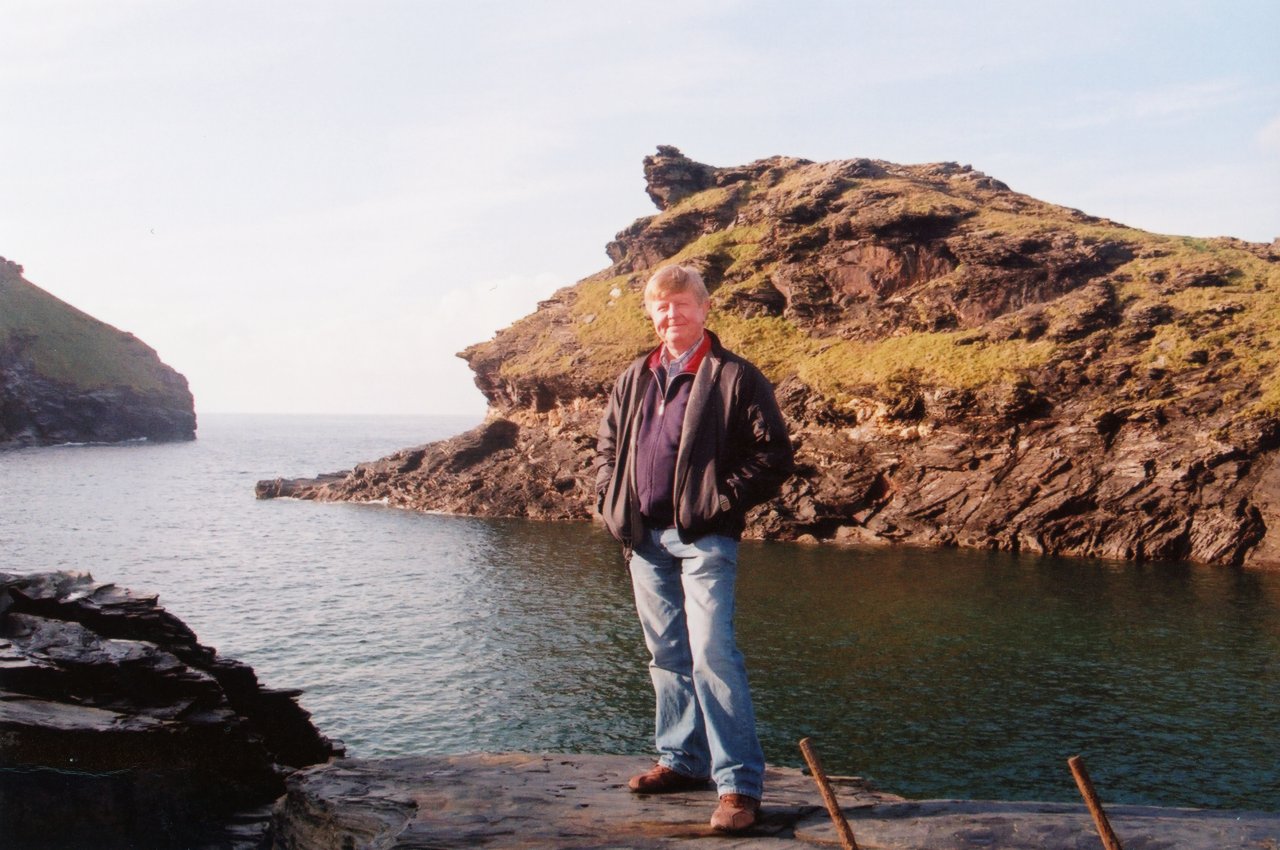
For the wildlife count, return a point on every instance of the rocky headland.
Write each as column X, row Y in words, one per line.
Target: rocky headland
column 119, row 729
column 66, row 377
column 960, row 364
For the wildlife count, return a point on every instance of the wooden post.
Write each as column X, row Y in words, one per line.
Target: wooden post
column 843, row 831
column 1109, row 840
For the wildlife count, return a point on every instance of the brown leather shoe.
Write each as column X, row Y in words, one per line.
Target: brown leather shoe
column 663, row 780
column 736, row 813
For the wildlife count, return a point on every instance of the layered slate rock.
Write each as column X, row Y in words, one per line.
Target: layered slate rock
column 960, row 365
column 66, row 377
column 119, row 728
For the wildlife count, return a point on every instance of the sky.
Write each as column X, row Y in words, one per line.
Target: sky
column 311, row 207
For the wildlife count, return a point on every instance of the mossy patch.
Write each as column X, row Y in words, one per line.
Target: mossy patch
column 894, row 198
column 778, row 347
column 599, row 330
column 837, row 368
column 738, row 246
column 704, row 201
column 1227, row 306
column 935, row 358
column 609, row 323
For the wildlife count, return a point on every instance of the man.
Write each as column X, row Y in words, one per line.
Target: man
column 692, row 439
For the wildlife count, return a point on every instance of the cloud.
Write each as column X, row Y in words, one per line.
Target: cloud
column 1187, row 100
column 1268, row 137
column 472, row 314
column 1211, row 198
column 1168, row 103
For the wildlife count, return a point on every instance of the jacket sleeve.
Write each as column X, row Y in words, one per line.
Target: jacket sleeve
column 607, row 441
column 765, row 458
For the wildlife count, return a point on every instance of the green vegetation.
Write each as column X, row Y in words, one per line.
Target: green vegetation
column 708, row 199
column 838, row 368
column 1234, row 324
column 738, row 244
column 612, row 329
column 1251, row 337
column 602, row 332
column 777, row 346
column 69, row 346
column 937, row 358
column 899, row 198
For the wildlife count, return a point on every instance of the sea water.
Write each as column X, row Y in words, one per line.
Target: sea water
column 936, row 673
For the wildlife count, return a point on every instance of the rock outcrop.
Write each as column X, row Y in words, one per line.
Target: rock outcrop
column 66, row 377
column 961, row 365
column 119, row 729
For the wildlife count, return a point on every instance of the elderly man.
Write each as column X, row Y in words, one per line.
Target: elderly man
column 692, row 439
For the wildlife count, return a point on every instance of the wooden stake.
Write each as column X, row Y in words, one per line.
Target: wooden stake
column 828, row 796
column 1109, row 840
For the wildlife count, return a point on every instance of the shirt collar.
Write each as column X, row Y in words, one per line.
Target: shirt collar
column 675, row 367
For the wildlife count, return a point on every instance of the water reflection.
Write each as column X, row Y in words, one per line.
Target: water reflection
column 959, row 674
column 978, row 674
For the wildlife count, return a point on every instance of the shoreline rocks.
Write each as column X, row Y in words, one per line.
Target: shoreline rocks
column 120, row 729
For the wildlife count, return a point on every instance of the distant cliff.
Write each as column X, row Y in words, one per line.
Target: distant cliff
column 961, row 365
column 67, row 377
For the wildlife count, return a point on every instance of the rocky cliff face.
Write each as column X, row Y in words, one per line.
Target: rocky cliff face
column 961, row 365
column 66, row 377
column 119, row 729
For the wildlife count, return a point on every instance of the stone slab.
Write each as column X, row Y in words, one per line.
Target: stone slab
column 964, row 824
column 581, row 801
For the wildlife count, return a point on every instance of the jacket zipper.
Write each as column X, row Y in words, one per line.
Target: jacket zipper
column 678, row 487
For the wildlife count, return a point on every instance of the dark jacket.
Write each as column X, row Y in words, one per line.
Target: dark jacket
column 734, row 449
column 657, row 443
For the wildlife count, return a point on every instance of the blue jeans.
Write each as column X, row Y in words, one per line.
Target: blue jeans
column 705, row 725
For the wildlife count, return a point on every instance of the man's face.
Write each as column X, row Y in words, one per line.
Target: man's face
column 679, row 319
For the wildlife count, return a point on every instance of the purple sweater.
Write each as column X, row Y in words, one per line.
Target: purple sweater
column 658, row 436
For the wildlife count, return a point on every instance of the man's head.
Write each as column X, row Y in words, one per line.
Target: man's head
column 676, row 299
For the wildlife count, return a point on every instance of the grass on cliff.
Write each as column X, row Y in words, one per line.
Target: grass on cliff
column 610, row 322
column 602, row 328
column 734, row 247
column 838, row 368
column 1228, row 321
column 1236, row 325
column 704, row 201
column 1231, row 324
column 899, row 198
column 70, row 347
